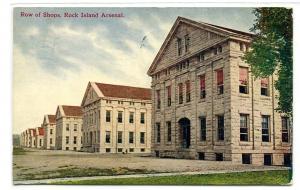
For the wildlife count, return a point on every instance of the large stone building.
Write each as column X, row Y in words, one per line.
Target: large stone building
column 206, row 104
column 39, row 137
column 68, row 128
column 49, row 125
column 116, row 119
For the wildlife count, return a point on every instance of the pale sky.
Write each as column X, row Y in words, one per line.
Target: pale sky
column 55, row 58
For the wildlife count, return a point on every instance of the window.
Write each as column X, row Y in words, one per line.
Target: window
column 51, row 131
column 287, row 160
column 75, row 127
column 131, row 150
column 40, row 142
column 120, row 116
column 202, row 87
column 264, row 87
column 107, row 136
column 186, row 42
column 120, row 149
column 201, row 156
column 50, row 140
column 202, row 129
column 107, row 115
column 107, row 150
column 180, row 91
column 67, row 127
column 244, row 127
column 220, row 49
column 201, row 57
column 285, row 129
column 246, row 158
column 158, row 132
column 188, row 91
column 75, row 140
column 131, row 103
column 142, row 150
column 169, row 95
column 158, row 99
column 241, row 46
column 179, row 46
column 220, row 83
column 131, row 137
column 131, row 117
column 67, row 140
column 142, row 117
column 169, row 131
column 220, row 128
column 219, row 157
column 120, row 102
column 243, row 86
column 267, row 159
column 142, row 137
column 265, row 128
column 67, row 148
column 120, row 136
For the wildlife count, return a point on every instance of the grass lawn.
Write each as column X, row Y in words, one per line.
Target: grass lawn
column 279, row 177
column 19, row 151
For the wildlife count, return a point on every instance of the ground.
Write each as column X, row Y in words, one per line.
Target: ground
column 33, row 164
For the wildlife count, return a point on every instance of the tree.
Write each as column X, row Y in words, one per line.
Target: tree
column 271, row 52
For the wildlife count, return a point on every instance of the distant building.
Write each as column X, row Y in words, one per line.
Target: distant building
column 116, row 119
column 31, row 138
column 68, row 128
column 49, row 125
column 39, row 137
column 16, row 140
column 206, row 104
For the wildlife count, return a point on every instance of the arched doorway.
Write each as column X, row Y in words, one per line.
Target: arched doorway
column 185, row 132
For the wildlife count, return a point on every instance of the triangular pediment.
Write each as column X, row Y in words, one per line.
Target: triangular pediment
column 92, row 93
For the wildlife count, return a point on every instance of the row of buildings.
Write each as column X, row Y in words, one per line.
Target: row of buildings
column 203, row 104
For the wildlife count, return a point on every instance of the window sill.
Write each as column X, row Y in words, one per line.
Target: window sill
column 220, row 96
column 202, row 100
column 242, row 95
column 286, row 144
column 245, row 143
column 266, row 143
column 262, row 97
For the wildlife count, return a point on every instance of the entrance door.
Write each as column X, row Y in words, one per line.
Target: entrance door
column 185, row 127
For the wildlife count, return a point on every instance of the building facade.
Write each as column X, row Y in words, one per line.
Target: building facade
column 206, row 104
column 68, row 128
column 49, row 125
column 116, row 119
column 39, row 137
column 31, row 138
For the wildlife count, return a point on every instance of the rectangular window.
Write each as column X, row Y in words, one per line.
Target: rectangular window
column 220, row 81
column 201, row 57
column 51, row 131
column 67, row 127
column 50, row 140
column 67, row 140
column 219, row 157
column 285, row 129
column 142, row 150
column 120, row 116
column 201, row 156
column 265, row 128
column 131, row 117
column 264, row 83
column 142, row 117
column 202, row 87
column 202, row 128
column 75, row 127
column 186, row 42
column 107, row 136
column 246, row 158
column 131, row 150
column 220, row 127
column 120, row 136
column 244, row 127
column 67, row 148
column 169, row 132
column 107, row 150
column 75, row 140
column 169, row 95
column 142, row 137
column 158, row 132
column 40, row 142
column 180, row 93
column 267, row 159
column 131, row 137
column 179, row 46
column 243, row 86
column 158, row 99
column 108, row 112
column 188, row 91
column 120, row 149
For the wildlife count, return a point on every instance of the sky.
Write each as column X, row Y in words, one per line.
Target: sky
column 55, row 58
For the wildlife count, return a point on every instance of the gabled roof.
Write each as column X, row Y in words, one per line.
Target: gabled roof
column 72, row 110
column 220, row 30
column 119, row 91
column 40, row 131
column 52, row 118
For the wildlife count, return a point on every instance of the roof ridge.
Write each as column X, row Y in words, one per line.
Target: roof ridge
column 121, row 85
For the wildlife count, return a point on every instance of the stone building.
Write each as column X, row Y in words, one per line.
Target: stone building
column 68, row 128
column 23, row 139
column 116, row 119
column 31, row 138
column 49, row 125
column 206, row 104
column 39, row 137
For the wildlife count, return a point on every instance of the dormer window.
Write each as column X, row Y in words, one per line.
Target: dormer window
column 186, row 42
column 179, row 46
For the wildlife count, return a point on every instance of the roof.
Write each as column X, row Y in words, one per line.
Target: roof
column 227, row 32
column 129, row 92
column 41, row 131
column 52, row 118
column 72, row 110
